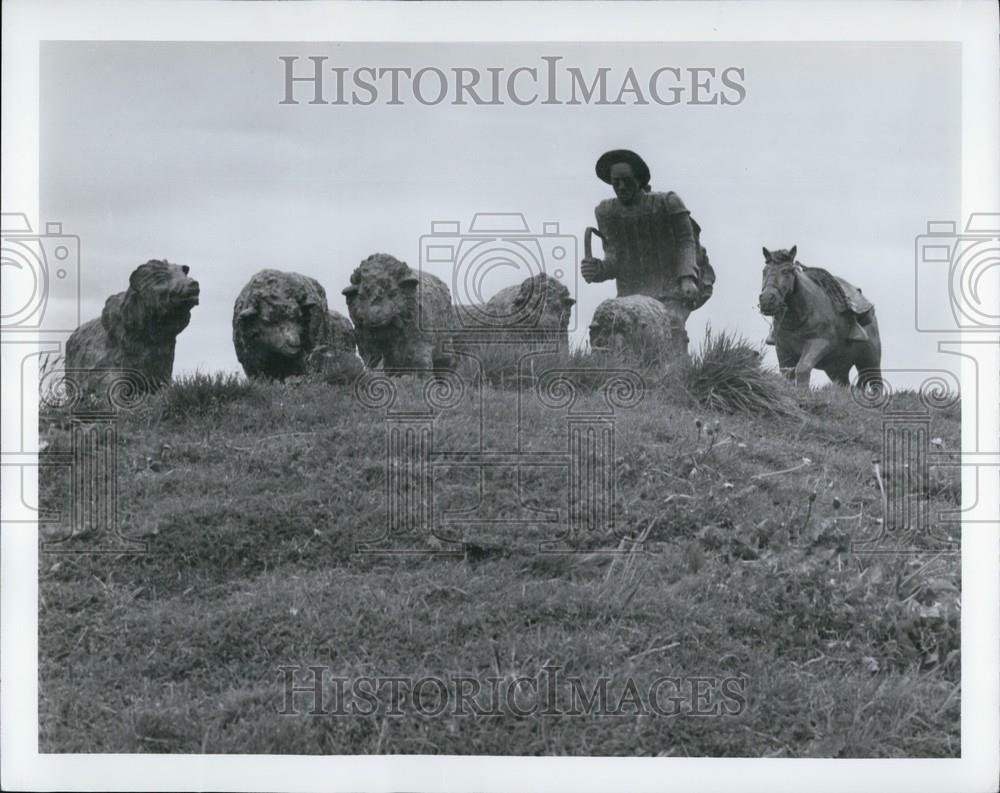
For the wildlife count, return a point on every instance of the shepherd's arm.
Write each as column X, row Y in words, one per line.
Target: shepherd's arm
column 606, row 269
column 680, row 222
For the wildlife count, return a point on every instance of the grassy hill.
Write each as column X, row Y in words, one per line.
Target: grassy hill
column 734, row 532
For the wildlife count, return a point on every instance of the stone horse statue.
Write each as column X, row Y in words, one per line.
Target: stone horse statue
column 820, row 322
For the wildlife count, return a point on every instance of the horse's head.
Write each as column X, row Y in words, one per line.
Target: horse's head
column 778, row 280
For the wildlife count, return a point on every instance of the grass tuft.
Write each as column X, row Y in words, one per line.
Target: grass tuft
column 512, row 367
column 726, row 375
column 203, row 394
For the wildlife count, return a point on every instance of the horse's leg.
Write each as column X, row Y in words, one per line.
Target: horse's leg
column 786, row 361
column 813, row 350
column 869, row 366
column 841, row 375
column 868, row 359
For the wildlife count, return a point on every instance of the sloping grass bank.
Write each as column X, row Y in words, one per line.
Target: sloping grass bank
column 253, row 498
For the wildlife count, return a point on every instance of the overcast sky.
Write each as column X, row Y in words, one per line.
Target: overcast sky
column 182, row 151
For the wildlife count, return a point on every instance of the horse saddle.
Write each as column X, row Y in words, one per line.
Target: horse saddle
column 847, row 299
column 858, row 305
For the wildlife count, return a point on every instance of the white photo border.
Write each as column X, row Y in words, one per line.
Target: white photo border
column 973, row 24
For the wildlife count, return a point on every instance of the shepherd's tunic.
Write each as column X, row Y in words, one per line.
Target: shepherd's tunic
column 648, row 246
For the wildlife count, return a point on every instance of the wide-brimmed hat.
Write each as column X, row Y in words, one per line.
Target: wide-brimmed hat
column 609, row 158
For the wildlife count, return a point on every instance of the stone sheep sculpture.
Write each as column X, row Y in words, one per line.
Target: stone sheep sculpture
column 137, row 330
column 636, row 328
column 337, row 360
column 283, row 327
column 539, row 308
column 402, row 318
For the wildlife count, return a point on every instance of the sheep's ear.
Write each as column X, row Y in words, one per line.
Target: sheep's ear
column 111, row 316
column 793, row 251
column 249, row 311
column 767, row 254
column 569, row 301
column 409, row 281
column 525, row 293
column 140, row 274
column 350, row 291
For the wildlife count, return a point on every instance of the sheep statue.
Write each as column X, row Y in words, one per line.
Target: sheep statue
column 637, row 329
column 402, row 318
column 538, row 307
column 138, row 328
column 283, row 327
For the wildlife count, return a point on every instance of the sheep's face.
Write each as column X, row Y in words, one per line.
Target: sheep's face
column 546, row 302
column 604, row 337
column 611, row 332
column 381, row 292
column 158, row 301
column 277, row 327
column 165, row 288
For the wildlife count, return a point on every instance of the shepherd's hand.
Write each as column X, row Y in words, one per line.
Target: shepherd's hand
column 590, row 269
column 689, row 289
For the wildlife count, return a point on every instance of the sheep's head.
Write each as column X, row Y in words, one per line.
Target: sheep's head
column 546, row 300
column 159, row 298
column 611, row 328
column 381, row 291
column 278, row 324
column 603, row 336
